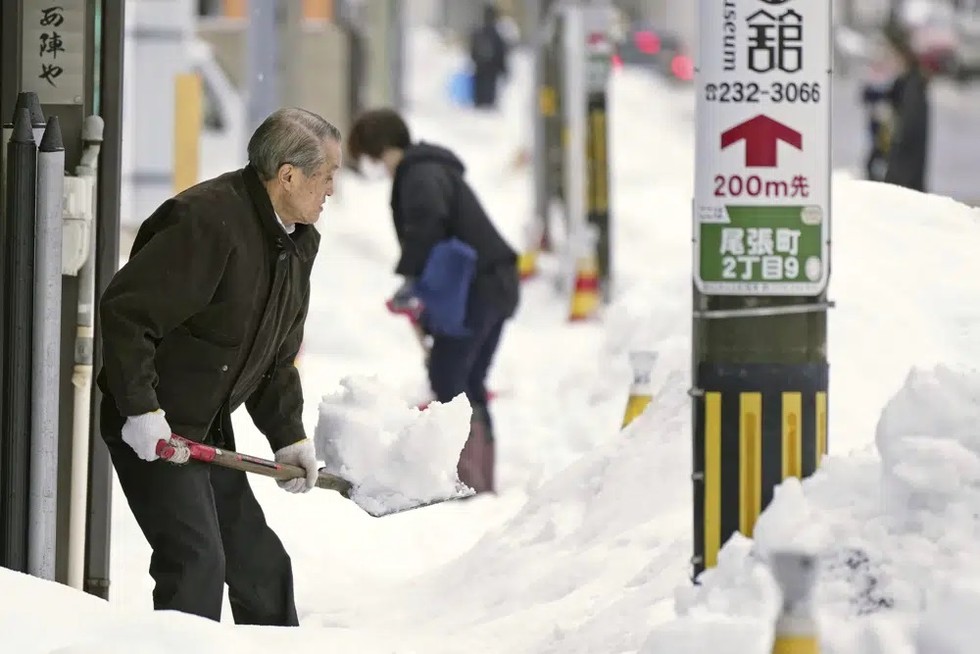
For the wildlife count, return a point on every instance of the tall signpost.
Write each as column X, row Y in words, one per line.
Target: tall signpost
column 586, row 49
column 761, row 233
column 598, row 18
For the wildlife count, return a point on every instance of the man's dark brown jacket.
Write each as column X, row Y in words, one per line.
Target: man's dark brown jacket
column 208, row 313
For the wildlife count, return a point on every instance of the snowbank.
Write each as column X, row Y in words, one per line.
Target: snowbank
column 895, row 535
column 395, row 456
column 584, row 564
column 44, row 617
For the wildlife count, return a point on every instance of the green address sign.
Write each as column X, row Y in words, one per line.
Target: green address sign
column 763, row 250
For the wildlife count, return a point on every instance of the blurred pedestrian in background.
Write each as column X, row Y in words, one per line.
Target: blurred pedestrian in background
column 876, row 98
column 488, row 52
column 909, row 141
column 448, row 244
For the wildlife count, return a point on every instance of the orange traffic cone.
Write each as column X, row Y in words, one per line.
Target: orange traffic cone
column 585, row 289
column 641, row 391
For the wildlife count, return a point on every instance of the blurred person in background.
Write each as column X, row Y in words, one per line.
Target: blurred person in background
column 876, row 98
column 488, row 53
column 909, row 140
column 432, row 205
column 206, row 315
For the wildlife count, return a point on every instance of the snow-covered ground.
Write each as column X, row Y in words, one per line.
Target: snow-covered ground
column 586, row 547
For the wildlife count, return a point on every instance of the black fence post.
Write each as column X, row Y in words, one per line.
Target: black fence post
column 18, row 303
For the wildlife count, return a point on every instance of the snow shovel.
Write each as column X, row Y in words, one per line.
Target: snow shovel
column 180, row 450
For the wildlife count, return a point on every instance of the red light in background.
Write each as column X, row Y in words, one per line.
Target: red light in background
column 617, row 61
column 596, row 38
column 682, row 67
column 647, row 42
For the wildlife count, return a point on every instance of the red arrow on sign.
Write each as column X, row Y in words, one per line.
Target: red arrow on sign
column 761, row 135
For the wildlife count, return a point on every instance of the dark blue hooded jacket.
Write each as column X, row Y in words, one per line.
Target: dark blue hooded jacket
column 431, row 202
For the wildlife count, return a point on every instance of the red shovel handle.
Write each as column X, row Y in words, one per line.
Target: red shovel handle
column 198, row 451
column 174, row 449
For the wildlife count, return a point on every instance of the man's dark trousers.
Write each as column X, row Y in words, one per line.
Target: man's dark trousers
column 206, row 529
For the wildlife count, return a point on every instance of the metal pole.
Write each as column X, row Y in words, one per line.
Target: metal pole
column 761, row 250
column 397, row 52
column 598, row 23
column 552, row 108
column 82, row 373
column 262, row 61
column 17, row 306
column 25, row 100
column 542, row 106
column 98, row 528
column 41, row 537
column 377, row 21
column 573, row 104
column 29, row 100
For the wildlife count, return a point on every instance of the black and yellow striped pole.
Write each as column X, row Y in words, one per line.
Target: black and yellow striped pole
column 546, row 110
column 755, row 426
column 761, row 250
column 796, row 629
column 599, row 52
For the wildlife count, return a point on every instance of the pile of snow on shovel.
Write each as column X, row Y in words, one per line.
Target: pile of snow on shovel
column 396, row 456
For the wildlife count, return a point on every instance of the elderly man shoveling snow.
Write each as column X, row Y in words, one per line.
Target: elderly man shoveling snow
column 208, row 315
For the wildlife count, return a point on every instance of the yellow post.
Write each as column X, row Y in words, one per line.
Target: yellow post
column 796, row 625
column 318, row 9
column 527, row 260
column 188, row 111
column 750, row 461
column 585, row 285
column 641, row 391
column 712, row 478
column 235, row 8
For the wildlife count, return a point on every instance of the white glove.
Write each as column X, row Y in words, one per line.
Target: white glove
column 302, row 454
column 143, row 432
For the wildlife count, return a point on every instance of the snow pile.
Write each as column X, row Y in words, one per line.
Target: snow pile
column 895, row 536
column 718, row 634
column 582, row 567
column 395, row 456
column 43, row 617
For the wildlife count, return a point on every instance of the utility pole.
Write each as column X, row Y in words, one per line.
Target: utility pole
column 585, row 36
column 761, row 234
column 262, row 61
column 546, row 153
column 382, row 19
column 598, row 39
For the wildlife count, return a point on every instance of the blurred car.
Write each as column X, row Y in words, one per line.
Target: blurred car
column 967, row 26
column 851, row 48
column 644, row 46
column 935, row 32
column 932, row 30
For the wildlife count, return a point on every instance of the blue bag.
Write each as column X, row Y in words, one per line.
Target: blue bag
column 444, row 287
column 460, row 88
